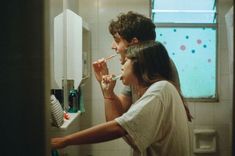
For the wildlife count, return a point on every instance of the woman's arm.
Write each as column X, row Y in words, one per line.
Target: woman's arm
column 115, row 105
column 104, row 132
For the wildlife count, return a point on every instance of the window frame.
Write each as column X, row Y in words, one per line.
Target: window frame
column 196, row 25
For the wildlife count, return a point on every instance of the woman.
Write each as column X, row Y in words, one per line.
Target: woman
column 157, row 123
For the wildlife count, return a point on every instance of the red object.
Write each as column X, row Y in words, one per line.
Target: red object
column 66, row 115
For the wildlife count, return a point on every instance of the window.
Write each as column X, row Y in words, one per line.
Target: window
column 188, row 29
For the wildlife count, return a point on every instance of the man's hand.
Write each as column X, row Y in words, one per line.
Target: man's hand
column 100, row 69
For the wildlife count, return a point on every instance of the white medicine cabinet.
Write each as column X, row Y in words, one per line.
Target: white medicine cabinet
column 68, row 48
column 71, row 52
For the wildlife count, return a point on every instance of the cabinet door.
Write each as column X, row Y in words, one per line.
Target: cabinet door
column 68, row 48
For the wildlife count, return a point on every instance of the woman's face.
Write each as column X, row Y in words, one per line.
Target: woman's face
column 128, row 77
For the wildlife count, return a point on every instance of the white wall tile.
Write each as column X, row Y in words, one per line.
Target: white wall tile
column 223, row 112
column 204, row 113
column 223, row 136
column 225, row 92
column 223, row 60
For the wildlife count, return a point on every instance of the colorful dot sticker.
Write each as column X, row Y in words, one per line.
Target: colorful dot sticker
column 182, row 47
column 199, row 41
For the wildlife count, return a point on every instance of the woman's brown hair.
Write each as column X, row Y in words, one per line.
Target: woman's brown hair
column 151, row 63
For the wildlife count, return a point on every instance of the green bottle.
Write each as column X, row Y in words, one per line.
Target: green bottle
column 73, row 101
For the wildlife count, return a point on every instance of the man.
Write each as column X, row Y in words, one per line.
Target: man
column 128, row 29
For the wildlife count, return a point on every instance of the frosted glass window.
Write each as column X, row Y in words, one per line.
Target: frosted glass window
column 193, row 51
column 188, row 29
column 184, row 11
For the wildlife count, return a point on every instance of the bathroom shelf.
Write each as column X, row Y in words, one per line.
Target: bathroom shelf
column 68, row 124
column 72, row 118
column 204, row 141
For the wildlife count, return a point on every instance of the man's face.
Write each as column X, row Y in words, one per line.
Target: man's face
column 120, row 46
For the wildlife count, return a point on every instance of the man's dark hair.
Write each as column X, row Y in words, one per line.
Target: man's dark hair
column 132, row 25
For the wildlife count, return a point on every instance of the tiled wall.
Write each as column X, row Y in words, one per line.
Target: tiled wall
column 216, row 115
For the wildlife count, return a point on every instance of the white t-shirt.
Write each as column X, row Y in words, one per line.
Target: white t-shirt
column 157, row 122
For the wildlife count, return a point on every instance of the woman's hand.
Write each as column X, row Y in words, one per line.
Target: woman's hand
column 57, row 143
column 108, row 85
column 100, row 69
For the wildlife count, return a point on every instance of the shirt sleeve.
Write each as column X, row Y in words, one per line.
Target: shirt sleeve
column 143, row 121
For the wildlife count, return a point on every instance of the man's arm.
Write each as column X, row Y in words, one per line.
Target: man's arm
column 115, row 106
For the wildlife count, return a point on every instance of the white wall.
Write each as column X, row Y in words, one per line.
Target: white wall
column 216, row 115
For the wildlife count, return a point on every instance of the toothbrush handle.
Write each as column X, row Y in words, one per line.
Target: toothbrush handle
column 116, row 77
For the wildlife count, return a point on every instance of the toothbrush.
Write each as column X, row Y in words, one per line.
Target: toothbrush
column 117, row 77
column 108, row 58
column 105, row 59
column 105, row 86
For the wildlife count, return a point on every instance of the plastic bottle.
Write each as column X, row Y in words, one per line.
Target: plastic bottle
column 73, row 101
